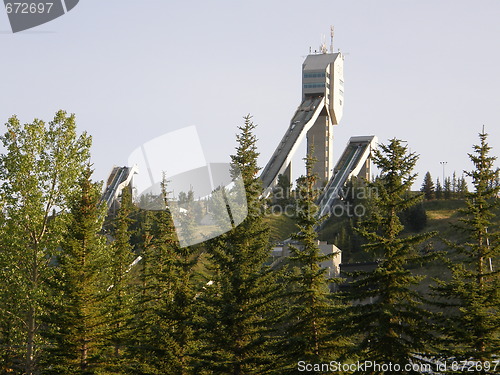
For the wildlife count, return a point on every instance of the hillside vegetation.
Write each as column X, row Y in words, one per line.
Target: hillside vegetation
column 441, row 216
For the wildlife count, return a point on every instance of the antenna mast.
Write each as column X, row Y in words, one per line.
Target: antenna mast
column 322, row 46
column 331, row 39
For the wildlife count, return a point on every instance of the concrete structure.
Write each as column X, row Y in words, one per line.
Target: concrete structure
column 323, row 76
column 320, row 109
column 354, row 162
column 119, row 179
column 332, row 265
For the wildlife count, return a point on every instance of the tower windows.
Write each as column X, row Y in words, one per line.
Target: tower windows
column 314, row 75
column 313, row 85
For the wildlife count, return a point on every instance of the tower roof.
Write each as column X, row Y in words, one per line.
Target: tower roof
column 319, row 61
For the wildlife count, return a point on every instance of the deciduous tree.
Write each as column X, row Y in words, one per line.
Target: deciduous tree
column 39, row 169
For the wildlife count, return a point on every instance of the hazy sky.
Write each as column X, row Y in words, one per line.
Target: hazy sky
column 424, row 71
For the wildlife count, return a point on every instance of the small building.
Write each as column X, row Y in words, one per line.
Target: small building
column 332, row 265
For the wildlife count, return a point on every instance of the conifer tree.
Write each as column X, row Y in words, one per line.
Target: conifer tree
column 472, row 329
column 238, row 309
column 76, row 323
column 163, row 338
column 454, row 184
column 428, row 187
column 386, row 316
column 179, row 311
column 447, row 192
column 462, row 187
column 142, row 325
column 151, row 345
column 119, row 291
column 439, row 189
column 282, row 191
column 308, row 335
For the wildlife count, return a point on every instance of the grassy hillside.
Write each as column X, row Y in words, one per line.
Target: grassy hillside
column 281, row 227
column 441, row 215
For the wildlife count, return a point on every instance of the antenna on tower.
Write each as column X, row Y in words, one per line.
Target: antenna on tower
column 322, row 47
column 331, row 39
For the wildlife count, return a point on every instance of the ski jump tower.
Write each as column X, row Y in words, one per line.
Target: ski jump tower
column 321, row 108
column 323, row 76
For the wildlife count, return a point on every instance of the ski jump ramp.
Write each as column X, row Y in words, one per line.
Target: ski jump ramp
column 355, row 161
column 303, row 120
column 119, row 178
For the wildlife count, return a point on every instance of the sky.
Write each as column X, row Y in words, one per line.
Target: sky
column 422, row 71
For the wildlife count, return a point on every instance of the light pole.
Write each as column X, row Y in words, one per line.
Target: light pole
column 443, row 163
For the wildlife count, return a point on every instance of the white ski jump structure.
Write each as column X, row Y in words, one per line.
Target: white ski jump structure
column 321, row 108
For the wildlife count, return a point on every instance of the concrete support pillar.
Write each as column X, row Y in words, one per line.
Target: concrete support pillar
column 365, row 172
column 288, row 173
column 320, row 136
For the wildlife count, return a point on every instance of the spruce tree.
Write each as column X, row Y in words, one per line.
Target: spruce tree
column 119, row 291
column 237, row 310
column 462, row 187
column 307, row 334
column 76, row 322
column 282, row 191
column 439, row 189
column 163, row 338
column 428, row 187
column 454, row 184
column 447, row 192
column 386, row 317
column 151, row 344
column 142, row 325
column 472, row 326
column 179, row 309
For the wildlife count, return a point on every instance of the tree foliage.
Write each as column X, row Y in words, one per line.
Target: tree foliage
column 307, row 331
column 428, row 187
column 120, row 298
column 386, row 315
column 76, row 298
column 238, row 309
column 472, row 324
column 76, row 324
column 39, row 170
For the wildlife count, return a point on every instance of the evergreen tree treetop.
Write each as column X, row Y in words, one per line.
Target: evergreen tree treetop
column 392, row 191
column 386, row 317
column 428, row 187
column 472, row 325
column 76, row 323
column 308, row 335
column 238, row 311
